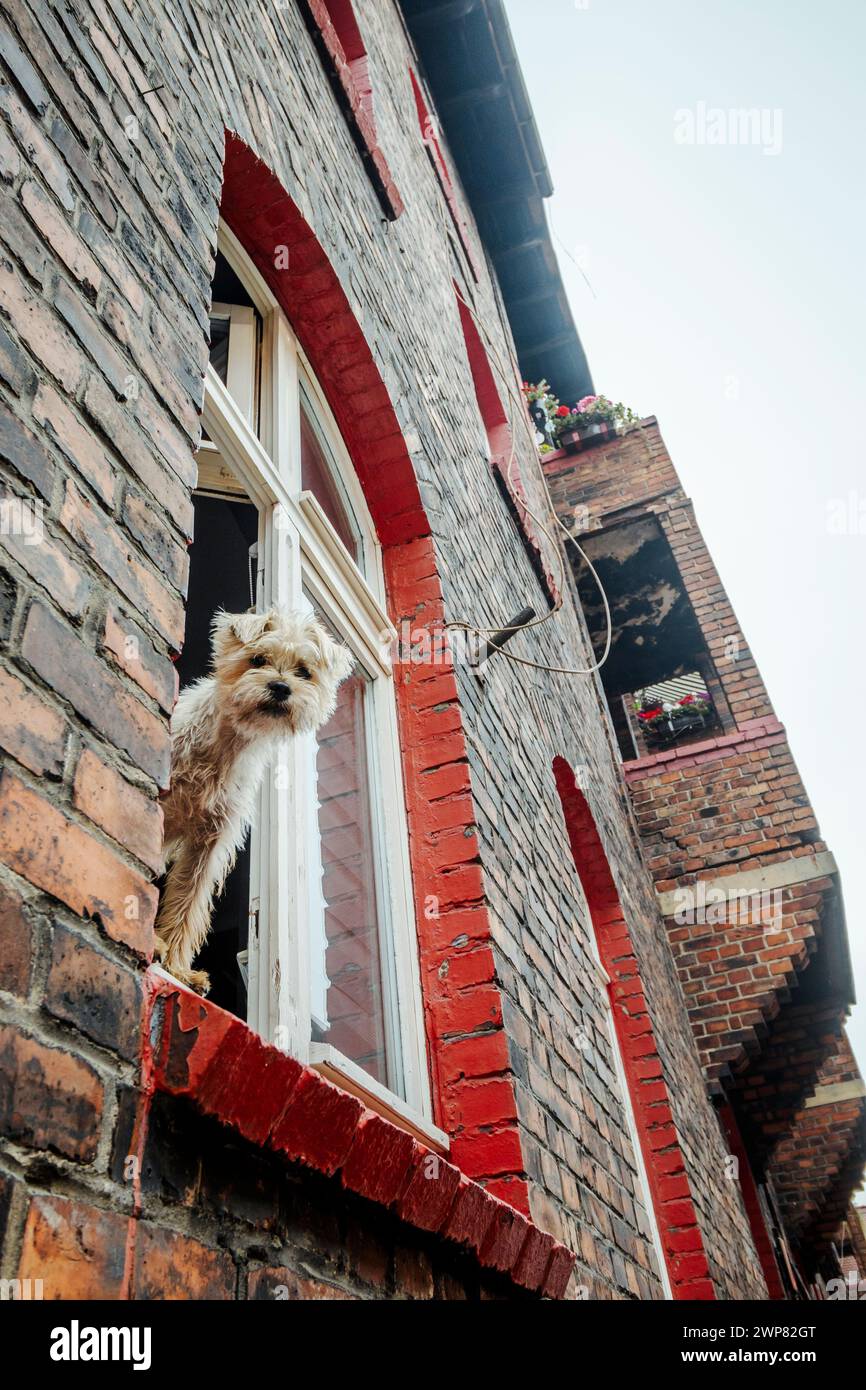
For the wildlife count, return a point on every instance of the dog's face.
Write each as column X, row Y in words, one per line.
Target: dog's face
column 277, row 672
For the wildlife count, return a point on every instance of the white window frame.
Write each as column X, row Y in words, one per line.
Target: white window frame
column 299, row 549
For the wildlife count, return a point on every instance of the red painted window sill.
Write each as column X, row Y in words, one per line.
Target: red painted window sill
column 200, row 1052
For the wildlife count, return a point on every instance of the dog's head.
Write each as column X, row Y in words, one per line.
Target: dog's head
column 277, row 672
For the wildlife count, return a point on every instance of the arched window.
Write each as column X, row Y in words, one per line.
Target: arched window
column 314, row 939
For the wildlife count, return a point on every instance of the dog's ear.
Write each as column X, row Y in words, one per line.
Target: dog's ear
column 336, row 660
column 340, row 660
column 229, row 630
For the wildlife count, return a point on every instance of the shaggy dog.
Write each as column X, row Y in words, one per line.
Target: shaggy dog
column 274, row 675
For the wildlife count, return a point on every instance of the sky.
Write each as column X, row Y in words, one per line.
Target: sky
column 726, row 297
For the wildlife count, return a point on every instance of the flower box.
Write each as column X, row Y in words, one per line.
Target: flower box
column 596, row 433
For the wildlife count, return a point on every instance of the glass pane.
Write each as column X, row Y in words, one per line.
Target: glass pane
column 219, row 348
column 356, row 989
column 316, row 477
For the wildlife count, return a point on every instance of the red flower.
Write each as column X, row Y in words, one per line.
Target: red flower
column 650, row 713
column 562, row 411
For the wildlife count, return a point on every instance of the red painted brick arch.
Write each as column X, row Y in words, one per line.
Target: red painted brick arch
column 473, row 1091
column 670, row 1190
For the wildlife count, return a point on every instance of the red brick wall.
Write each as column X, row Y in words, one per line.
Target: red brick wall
column 818, row 1161
column 765, row 981
column 719, row 807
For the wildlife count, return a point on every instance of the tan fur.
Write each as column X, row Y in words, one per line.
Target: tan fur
column 224, row 730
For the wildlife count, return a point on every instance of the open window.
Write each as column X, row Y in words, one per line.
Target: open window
column 660, row 679
column 313, row 940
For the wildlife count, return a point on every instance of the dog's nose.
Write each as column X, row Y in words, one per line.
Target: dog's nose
column 279, row 690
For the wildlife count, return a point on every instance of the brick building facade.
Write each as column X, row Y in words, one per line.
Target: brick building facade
column 537, row 1089
column 749, row 892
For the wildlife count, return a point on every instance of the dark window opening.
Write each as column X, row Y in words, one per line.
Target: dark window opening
column 658, row 654
column 221, row 575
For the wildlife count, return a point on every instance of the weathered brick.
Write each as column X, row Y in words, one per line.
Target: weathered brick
column 53, row 853
column 99, row 537
column 83, row 450
column 86, row 988
column 413, row 1275
column 16, row 943
column 8, row 600
column 152, row 534
column 278, row 1284
column 22, row 69
column 79, row 676
column 60, row 236
column 10, row 160
column 77, row 1250
column 39, row 329
column 77, row 317
column 50, row 564
column 116, row 422
column 123, row 812
column 136, row 655
column 39, row 151
column 33, row 732
column 20, row 447
column 379, row 1160
column 15, row 370
column 49, row 1099
column 172, row 1266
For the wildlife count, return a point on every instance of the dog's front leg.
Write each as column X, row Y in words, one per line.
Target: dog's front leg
column 198, row 869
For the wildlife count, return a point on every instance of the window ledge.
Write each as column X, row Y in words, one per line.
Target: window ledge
column 759, row 732
column 198, row 1051
column 346, row 1074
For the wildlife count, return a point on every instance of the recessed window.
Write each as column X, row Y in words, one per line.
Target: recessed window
column 235, row 339
column 342, row 16
column 430, row 136
column 500, row 445
column 340, row 41
column 313, row 939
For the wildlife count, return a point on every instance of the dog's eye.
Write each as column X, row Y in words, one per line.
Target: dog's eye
column 304, row 673
column 258, row 660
